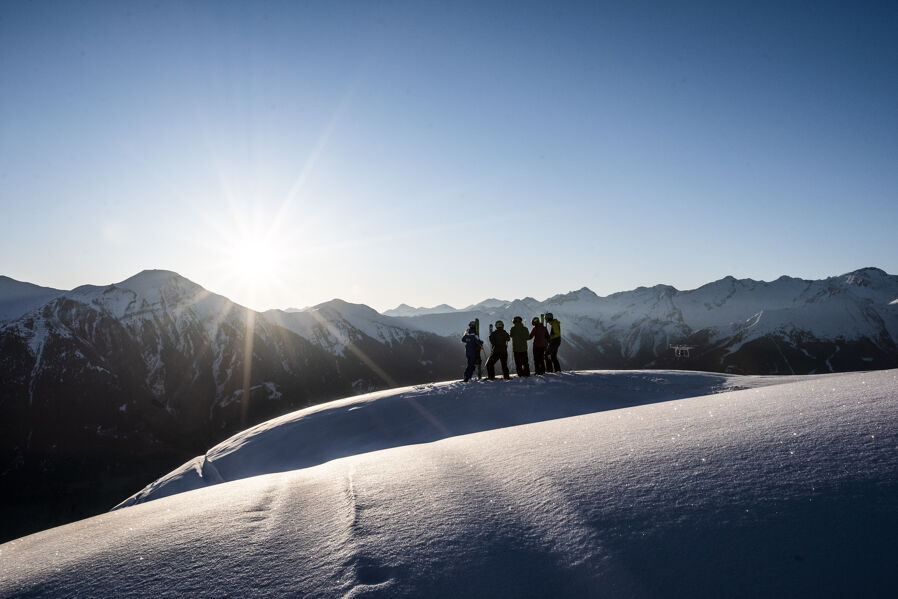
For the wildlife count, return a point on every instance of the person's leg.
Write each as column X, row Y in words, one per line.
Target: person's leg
column 539, row 359
column 491, row 366
column 553, row 354
column 522, row 363
column 470, row 368
column 555, row 344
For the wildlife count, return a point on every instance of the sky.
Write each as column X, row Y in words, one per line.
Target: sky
column 287, row 153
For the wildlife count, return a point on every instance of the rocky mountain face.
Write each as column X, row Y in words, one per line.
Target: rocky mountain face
column 106, row 388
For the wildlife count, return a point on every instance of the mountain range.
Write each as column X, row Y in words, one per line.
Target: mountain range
column 107, row 387
column 787, row 326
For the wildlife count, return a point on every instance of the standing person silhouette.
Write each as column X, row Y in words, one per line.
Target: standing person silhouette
column 499, row 345
column 473, row 344
column 540, row 336
column 554, row 327
column 519, row 337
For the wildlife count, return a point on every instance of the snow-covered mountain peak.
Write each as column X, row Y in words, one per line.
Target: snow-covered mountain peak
column 865, row 277
column 727, row 282
column 583, row 295
column 870, row 284
column 786, row 279
column 160, row 291
column 337, row 323
column 338, row 305
column 487, row 304
column 401, row 310
column 660, row 290
column 148, row 282
column 404, row 310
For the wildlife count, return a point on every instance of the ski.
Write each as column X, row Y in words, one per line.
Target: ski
column 479, row 354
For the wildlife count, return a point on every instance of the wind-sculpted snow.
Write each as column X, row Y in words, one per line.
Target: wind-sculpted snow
column 786, row 488
column 422, row 414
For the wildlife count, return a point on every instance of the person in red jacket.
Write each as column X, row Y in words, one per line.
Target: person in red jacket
column 540, row 335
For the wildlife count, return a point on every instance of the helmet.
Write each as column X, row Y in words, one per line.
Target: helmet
column 517, row 319
column 500, row 324
column 472, row 324
column 549, row 316
column 535, row 320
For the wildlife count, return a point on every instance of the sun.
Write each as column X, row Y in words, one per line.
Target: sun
column 248, row 253
column 255, row 261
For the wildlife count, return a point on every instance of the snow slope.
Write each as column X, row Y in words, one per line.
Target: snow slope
column 420, row 414
column 785, row 487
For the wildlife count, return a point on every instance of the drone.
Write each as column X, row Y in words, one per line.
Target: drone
column 682, row 351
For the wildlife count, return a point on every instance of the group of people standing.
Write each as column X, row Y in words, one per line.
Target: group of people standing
column 546, row 340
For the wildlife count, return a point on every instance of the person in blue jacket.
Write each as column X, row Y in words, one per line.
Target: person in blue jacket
column 473, row 344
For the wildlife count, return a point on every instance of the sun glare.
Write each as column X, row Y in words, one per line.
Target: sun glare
column 255, row 261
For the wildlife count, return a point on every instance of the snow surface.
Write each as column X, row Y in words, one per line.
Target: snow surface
column 582, row 484
column 422, row 414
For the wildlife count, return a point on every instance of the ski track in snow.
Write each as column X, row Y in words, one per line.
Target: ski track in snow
column 787, row 486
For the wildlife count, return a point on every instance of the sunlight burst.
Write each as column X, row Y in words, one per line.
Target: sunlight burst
column 250, row 256
column 255, row 261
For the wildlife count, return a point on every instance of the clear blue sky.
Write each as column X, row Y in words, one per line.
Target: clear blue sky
column 425, row 152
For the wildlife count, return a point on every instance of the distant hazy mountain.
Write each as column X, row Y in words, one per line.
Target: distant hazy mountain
column 487, row 304
column 18, row 298
column 406, row 310
column 849, row 322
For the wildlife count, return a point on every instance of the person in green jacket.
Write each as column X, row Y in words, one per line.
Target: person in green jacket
column 519, row 337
